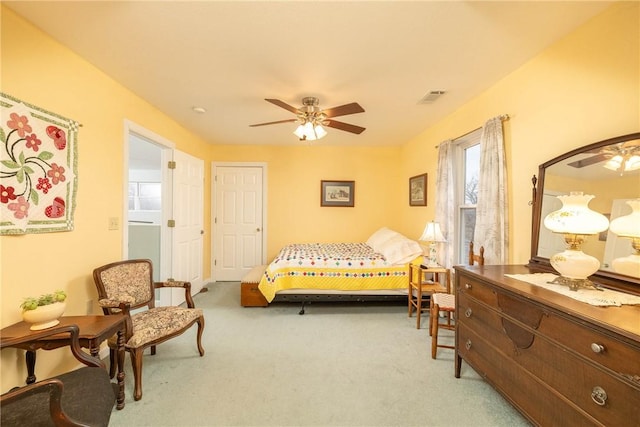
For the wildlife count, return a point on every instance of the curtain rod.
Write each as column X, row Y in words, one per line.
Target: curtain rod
column 502, row 117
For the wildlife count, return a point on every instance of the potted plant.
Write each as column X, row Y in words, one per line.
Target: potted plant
column 43, row 312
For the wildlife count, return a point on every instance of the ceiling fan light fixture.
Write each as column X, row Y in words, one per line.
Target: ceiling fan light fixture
column 624, row 163
column 614, row 163
column 299, row 132
column 308, row 131
column 632, row 164
column 321, row 133
column 313, row 120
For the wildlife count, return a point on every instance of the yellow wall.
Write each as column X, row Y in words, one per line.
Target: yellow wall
column 294, row 174
column 40, row 71
column 582, row 89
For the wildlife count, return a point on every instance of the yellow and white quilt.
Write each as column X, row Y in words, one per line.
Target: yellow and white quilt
column 332, row 266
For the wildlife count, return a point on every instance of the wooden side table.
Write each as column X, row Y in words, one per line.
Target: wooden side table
column 419, row 286
column 93, row 331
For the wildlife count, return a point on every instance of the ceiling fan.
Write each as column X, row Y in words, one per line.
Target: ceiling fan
column 624, row 156
column 312, row 118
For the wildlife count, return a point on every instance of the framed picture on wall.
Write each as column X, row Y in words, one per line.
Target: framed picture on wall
column 337, row 193
column 418, row 190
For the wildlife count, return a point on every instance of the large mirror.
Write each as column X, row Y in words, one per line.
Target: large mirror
column 609, row 171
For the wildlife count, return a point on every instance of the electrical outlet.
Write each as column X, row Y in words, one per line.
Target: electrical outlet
column 90, row 306
column 114, row 223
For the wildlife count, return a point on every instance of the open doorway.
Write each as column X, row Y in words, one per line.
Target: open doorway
column 145, row 202
column 148, row 204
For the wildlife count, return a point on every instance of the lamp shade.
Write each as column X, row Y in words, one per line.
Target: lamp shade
column 623, row 164
column 432, row 233
column 575, row 217
column 319, row 131
column 628, row 225
column 309, row 131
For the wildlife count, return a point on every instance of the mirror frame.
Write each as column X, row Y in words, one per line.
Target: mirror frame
column 601, row 277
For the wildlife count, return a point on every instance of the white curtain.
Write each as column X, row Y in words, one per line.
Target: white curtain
column 491, row 229
column 446, row 203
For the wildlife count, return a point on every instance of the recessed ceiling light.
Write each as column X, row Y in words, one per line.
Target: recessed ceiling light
column 199, row 110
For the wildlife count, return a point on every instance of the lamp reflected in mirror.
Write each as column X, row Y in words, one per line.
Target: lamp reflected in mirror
column 628, row 226
column 575, row 221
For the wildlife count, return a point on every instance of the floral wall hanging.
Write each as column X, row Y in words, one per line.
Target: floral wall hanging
column 38, row 169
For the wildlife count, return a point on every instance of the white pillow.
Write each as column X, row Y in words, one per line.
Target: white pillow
column 378, row 238
column 400, row 250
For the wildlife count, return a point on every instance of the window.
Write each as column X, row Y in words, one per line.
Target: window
column 145, row 196
column 467, row 177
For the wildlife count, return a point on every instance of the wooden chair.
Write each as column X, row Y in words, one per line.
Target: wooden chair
column 473, row 258
column 446, row 303
column 419, row 290
column 83, row 397
column 131, row 282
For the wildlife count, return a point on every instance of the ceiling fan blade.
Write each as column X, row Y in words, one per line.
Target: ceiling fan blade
column 273, row 123
column 284, row 105
column 343, row 126
column 343, row 110
column 589, row 161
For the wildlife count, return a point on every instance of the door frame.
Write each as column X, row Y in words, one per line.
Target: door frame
column 167, row 147
column 214, row 188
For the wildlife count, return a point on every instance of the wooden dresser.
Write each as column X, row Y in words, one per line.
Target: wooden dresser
column 559, row 361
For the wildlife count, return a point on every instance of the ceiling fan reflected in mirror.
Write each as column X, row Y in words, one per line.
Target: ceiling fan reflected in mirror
column 623, row 157
column 311, row 118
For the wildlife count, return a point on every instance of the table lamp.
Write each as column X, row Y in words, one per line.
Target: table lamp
column 433, row 235
column 575, row 221
column 628, row 226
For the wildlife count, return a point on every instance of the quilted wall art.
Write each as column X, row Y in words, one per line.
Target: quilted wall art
column 38, row 169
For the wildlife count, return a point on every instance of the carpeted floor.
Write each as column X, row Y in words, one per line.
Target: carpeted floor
column 338, row 365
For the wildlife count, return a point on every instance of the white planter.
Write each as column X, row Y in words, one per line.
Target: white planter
column 45, row 316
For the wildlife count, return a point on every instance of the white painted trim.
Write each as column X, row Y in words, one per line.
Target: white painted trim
column 214, row 167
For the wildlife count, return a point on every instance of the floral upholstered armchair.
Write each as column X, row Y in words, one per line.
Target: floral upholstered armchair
column 131, row 282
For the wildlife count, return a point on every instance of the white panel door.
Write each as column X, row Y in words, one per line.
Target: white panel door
column 188, row 199
column 238, row 228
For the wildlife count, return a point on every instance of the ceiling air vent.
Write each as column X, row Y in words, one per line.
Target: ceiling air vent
column 431, row 97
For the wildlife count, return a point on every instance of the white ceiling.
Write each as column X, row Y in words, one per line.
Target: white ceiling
column 227, row 56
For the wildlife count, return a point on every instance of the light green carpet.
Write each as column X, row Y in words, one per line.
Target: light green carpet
column 338, row 365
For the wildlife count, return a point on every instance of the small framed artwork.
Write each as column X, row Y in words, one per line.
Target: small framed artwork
column 418, row 190
column 337, row 193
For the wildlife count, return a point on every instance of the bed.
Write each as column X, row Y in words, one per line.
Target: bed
column 378, row 267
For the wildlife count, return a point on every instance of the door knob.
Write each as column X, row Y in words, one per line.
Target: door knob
column 258, row 229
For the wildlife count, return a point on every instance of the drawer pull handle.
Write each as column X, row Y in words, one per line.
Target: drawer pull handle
column 467, row 286
column 468, row 345
column 597, row 348
column 599, row 396
column 468, row 312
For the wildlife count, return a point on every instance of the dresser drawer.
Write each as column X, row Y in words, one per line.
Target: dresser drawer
column 536, row 400
column 476, row 289
column 482, row 329
column 605, row 350
column 576, row 379
column 477, row 315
